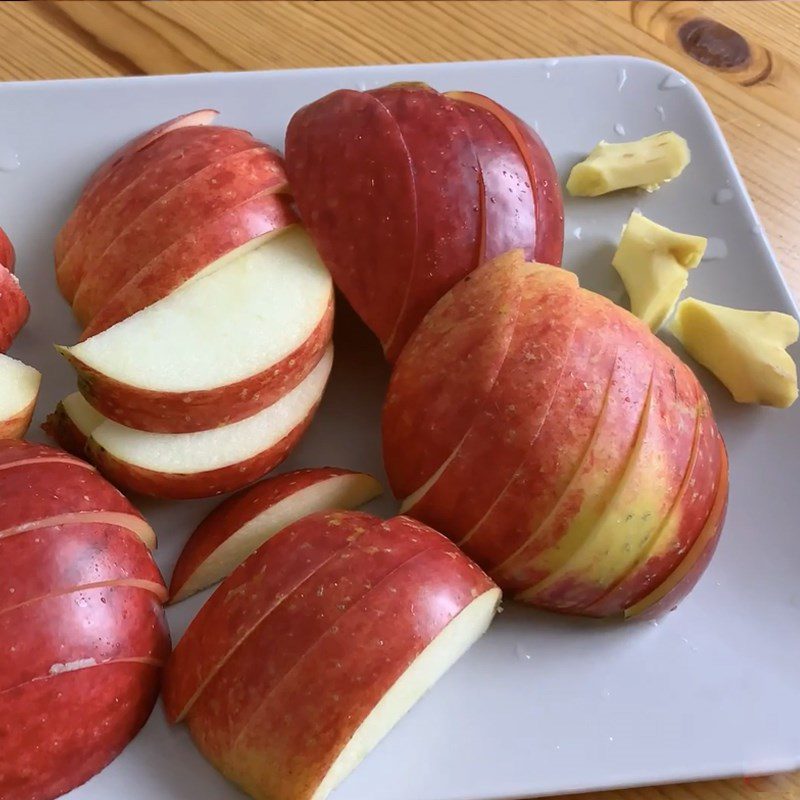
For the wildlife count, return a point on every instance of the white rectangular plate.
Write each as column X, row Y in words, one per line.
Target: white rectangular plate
column 542, row 704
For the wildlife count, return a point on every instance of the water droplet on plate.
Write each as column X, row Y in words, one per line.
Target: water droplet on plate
column 362, row 86
column 661, row 113
column 577, row 232
column 672, row 81
column 552, row 62
column 619, row 129
column 716, row 249
column 605, row 694
column 522, row 652
column 9, row 159
column 654, row 623
column 622, row 77
column 723, row 195
column 611, row 739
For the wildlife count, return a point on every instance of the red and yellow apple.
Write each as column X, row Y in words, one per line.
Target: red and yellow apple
column 576, row 458
column 81, row 616
column 242, row 523
column 405, row 191
column 312, row 649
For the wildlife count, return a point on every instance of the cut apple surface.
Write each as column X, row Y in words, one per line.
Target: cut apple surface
column 242, row 523
column 203, row 463
column 20, row 388
column 376, row 623
column 189, row 362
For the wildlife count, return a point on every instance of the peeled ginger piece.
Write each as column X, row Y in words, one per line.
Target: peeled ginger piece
column 646, row 163
column 746, row 350
column 653, row 262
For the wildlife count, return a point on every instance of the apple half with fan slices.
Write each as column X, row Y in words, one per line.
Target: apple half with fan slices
column 199, row 463
column 583, row 466
column 318, row 644
column 224, row 346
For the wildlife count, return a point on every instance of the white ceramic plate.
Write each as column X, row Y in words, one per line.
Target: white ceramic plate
column 542, row 704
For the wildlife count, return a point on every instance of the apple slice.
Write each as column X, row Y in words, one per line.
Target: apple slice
column 473, row 330
column 350, row 652
column 91, row 626
column 92, row 713
column 14, row 308
column 72, row 423
column 190, row 204
column 242, row 523
column 183, row 365
column 61, row 558
column 8, row 257
column 215, row 243
column 204, row 463
column 20, row 388
column 683, row 578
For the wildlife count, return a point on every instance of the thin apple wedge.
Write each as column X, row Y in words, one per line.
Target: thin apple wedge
column 242, row 523
column 14, row 308
column 201, row 463
column 20, row 388
column 219, row 349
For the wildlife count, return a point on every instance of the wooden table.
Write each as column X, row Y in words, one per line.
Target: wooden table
column 745, row 57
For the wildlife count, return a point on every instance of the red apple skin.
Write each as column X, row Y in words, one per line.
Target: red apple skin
column 507, row 205
column 17, row 426
column 41, row 490
column 679, row 531
column 331, row 167
column 365, row 647
column 14, row 308
column 58, row 559
column 684, row 577
column 15, row 454
column 102, row 623
column 184, row 412
column 536, row 360
column 249, row 594
column 177, row 486
column 129, row 176
column 204, row 151
column 202, row 117
column 448, row 227
column 8, row 257
column 193, row 203
column 257, row 216
column 468, row 326
column 236, row 511
column 543, row 177
column 60, row 427
column 91, row 715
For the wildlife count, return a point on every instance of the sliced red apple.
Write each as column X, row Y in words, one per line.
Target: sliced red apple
column 189, row 205
column 59, row 559
column 14, row 308
column 204, row 463
column 71, row 424
column 367, row 635
column 88, row 626
column 8, row 257
column 57, row 732
column 20, row 388
column 215, row 243
column 189, row 362
column 14, row 453
column 242, row 523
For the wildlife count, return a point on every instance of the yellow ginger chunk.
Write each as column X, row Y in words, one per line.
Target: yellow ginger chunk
column 646, row 163
column 746, row 350
column 653, row 261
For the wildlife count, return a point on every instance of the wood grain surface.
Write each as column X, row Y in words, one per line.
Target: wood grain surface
column 744, row 56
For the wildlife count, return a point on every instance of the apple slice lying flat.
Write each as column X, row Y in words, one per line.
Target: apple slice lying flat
column 242, row 523
column 20, row 388
column 202, row 463
column 92, row 712
column 351, row 649
column 190, row 362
